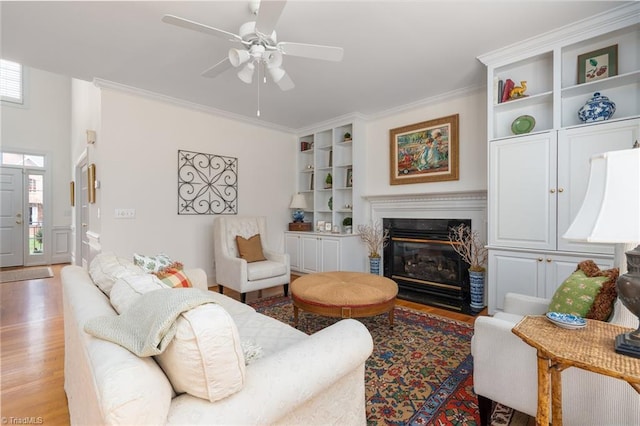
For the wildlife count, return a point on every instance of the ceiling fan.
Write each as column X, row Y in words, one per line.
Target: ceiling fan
column 259, row 45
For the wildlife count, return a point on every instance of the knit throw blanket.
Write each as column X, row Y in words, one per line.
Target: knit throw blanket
column 148, row 325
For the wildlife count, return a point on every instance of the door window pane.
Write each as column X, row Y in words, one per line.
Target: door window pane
column 36, row 213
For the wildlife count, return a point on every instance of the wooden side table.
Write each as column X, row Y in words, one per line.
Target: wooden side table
column 590, row 348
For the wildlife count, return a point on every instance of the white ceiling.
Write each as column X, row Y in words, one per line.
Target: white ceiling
column 395, row 52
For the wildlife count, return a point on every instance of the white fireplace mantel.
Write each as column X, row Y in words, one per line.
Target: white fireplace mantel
column 447, row 205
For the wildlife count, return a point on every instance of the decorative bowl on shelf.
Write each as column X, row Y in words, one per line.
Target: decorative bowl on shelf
column 523, row 124
column 598, row 108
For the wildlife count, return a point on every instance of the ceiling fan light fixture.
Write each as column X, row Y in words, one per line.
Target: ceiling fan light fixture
column 276, row 73
column 246, row 73
column 238, row 57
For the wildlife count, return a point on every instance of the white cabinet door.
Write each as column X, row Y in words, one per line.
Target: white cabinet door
column 532, row 274
column 513, row 272
column 330, row 254
column 575, row 148
column 558, row 269
column 309, row 254
column 522, row 192
column 292, row 248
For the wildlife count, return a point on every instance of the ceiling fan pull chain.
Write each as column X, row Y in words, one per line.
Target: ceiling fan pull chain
column 258, row 112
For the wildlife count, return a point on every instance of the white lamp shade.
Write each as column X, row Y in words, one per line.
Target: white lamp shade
column 238, row 57
column 298, row 202
column 246, row 73
column 610, row 212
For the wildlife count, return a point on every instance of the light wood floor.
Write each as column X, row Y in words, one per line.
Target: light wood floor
column 32, row 349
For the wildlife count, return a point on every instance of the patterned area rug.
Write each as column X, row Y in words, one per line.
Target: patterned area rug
column 420, row 372
column 23, row 274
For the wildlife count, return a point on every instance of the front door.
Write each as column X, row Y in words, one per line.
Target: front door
column 11, row 217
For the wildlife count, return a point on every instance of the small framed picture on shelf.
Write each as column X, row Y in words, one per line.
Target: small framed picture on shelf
column 320, row 226
column 328, row 226
column 349, row 182
column 598, row 64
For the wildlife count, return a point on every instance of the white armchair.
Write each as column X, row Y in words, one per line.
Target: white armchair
column 505, row 371
column 236, row 273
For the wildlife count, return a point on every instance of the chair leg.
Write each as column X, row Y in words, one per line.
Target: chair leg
column 484, row 407
column 243, row 297
column 220, row 289
column 286, row 289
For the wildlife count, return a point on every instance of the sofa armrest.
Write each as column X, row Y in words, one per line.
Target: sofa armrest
column 285, row 380
column 198, row 277
column 522, row 304
column 230, row 271
column 500, row 360
column 276, row 257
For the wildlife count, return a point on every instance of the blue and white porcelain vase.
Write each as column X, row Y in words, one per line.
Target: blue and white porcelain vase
column 374, row 265
column 476, row 284
column 598, row 108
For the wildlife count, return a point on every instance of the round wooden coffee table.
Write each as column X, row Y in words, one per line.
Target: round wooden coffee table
column 343, row 295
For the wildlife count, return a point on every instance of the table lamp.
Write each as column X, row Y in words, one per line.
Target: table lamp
column 610, row 213
column 299, row 203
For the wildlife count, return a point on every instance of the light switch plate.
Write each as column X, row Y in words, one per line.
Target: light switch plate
column 125, row 213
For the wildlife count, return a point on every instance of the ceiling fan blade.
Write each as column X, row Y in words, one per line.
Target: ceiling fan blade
column 314, row 51
column 196, row 26
column 268, row 16
column 217, row 69
column 286, row 83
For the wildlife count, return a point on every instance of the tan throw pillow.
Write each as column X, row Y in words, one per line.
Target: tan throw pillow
column 251, row 249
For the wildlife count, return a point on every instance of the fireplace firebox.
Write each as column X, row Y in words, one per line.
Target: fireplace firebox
column 422, row 261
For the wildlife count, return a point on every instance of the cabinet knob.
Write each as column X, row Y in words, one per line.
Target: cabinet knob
column 548, row 260
column 552, row 190
column 539, row 259
column 560, row 189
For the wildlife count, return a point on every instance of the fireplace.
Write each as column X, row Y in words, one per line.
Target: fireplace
column 422, row 261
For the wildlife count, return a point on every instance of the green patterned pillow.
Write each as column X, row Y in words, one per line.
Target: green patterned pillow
column 152, row 263
column 576, row 294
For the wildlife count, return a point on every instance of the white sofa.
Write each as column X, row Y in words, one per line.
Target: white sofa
column 299, row 379
column 505, row 370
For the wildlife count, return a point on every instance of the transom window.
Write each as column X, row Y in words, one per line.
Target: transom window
column 11, row 88
column 19, row 159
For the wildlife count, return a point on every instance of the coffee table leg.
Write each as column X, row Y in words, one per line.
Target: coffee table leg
column 391, row 315
column 295, row 316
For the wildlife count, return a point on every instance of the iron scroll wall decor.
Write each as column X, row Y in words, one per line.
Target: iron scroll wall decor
column 207, row 183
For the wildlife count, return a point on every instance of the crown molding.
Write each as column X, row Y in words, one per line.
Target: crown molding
column 106, row 84
column 333, row 122
column 593, row 26
column 462, row 91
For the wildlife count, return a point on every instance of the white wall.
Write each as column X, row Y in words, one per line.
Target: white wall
column 137, row 150
column 42, row 126
column 473, row 146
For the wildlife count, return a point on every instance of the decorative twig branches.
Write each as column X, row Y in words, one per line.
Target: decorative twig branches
column 467, row 244
column 375, row 237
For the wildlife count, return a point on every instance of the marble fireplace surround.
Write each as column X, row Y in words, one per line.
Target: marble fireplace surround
column 446, row 205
